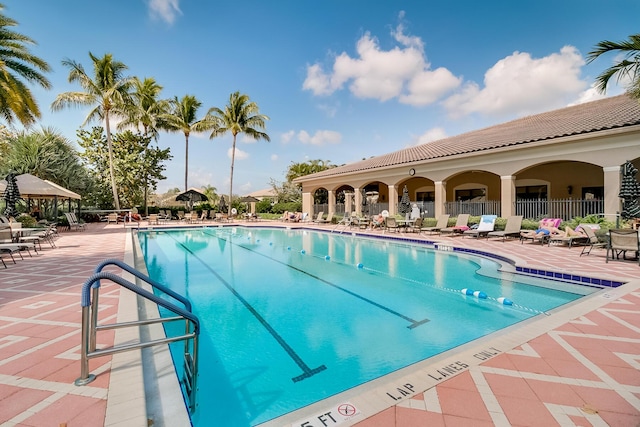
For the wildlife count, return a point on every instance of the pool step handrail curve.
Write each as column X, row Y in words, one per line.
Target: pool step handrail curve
column 90, row 327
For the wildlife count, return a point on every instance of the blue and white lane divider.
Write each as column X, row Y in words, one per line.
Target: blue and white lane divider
column 469, row 292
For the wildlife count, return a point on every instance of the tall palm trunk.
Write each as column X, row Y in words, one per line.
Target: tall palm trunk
column 233, row 158
column 186, row 160
column 111, row 171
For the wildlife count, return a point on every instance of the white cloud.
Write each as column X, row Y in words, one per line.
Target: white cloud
column 521, row 84
column 321, row 137
column 402, row 72
column 287, row 136
column 591, row 94
column 433, row 134
column 274, row 157
column 167, row 10
column 240, row 155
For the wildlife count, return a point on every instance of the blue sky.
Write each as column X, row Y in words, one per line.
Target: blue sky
column 341, row 80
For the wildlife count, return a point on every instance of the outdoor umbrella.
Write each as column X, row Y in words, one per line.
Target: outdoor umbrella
column 629, row 192
column 405, row 204
column 190, row 196
column 11, row 195
column 223, row 204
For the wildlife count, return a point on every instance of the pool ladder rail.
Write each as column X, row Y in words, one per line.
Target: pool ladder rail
column 90, row 292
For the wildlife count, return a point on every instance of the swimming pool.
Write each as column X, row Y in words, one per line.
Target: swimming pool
column 290, row 317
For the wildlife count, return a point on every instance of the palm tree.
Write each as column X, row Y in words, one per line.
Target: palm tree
column 107, row 92
column 16, row 65
column 627, row 67
column 146, row 110
column 212, row 194
column 182, row 118
column 241, row 115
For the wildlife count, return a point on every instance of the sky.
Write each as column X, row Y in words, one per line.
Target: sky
column 340, row 80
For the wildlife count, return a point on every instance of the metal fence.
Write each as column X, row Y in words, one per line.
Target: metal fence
column 530, row 209
column 561, row 208
column 490, row 207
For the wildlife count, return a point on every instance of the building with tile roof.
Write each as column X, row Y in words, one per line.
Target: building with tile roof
column 573, row 153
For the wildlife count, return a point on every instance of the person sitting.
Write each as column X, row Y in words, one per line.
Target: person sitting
column 570, row 232
column 378, row 221
column 541, row 232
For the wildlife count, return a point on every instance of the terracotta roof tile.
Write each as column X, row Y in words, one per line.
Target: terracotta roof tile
column 609, row 113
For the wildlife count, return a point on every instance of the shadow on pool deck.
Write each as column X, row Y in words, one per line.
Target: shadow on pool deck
column 583, row 371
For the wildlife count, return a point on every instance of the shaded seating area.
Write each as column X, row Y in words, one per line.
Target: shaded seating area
column 511, row 228
column 622, row 241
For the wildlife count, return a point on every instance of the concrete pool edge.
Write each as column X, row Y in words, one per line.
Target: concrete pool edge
column 130, row 390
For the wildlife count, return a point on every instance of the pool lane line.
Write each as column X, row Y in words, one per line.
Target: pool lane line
column 413, row 323
column 306, row 371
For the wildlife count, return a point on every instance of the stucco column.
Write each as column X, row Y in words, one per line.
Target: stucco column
column 440, row 197
column 348, row 203
column 358, row 201
column 393, row 200
column 332, row 201
column 507, row 196
column 307, row 203
column 611, row 190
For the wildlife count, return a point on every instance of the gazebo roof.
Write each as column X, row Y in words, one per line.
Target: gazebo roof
column 31, row 186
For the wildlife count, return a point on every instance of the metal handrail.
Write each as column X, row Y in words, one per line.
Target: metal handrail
column 89, row 303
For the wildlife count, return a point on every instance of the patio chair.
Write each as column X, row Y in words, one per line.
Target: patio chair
column 391, row 224
column 592, row 242
column 621, row 242
column 416, row 227
column 442, row 222
column 73, row 221
column 461, row 225
column 328, row 220
column 112, row 217
column 571, row 239
column 487, row 224
column 153, row 219
column 318, row 217
column 511, row 228
column 37, row 237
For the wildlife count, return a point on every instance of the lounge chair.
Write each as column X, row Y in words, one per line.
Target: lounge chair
column 442, row 222
column 593, row 241
column 511, row 228
column 73, row 221
column 327, row 220
column 461, row 225
column 543, row 224
column 153, row 219
column 37, row 237
column 570, row 240
column 487, row 224
column 318, row 217
column 621, row 242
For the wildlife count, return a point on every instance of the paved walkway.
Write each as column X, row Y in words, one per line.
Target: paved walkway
column 584, row 371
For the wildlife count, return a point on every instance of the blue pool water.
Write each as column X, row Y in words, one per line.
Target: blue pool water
column 290, row 317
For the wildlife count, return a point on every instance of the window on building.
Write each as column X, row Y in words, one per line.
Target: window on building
column 468, row 194
column 531, row 192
